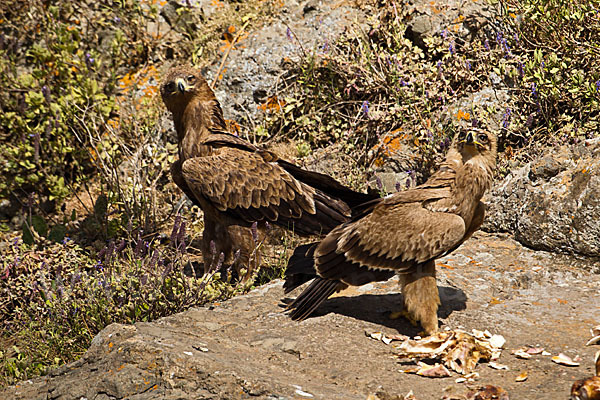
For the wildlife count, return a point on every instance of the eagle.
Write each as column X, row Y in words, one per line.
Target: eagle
column 238, row 184
column 403, row 234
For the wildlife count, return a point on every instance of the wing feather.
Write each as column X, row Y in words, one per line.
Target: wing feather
column 367, row 242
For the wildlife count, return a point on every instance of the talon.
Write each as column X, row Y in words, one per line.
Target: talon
column 405, row 314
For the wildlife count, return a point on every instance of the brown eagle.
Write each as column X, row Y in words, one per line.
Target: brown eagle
column 402, row 233
column 236, row 183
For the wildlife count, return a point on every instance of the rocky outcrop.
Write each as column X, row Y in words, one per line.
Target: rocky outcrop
column 255, row 68
column 246, row 348
column 553, row 202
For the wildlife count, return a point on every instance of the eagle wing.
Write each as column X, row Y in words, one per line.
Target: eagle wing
column 249, row 187
column 394, row 236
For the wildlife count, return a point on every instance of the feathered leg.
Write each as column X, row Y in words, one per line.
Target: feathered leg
column 421, row 297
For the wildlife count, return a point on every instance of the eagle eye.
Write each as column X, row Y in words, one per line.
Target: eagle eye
column 483, row 138
column 191, row 78
column 170, row 87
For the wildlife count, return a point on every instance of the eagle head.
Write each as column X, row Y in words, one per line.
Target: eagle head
column 475, row 142
column 181, row 85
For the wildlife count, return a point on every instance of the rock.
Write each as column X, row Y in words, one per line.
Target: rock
column 552, row 203
column 464, row 20
column 246, row 347
column 254, row 67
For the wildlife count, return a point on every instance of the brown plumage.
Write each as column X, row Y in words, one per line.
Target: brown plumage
column 403, row 233
column 237, row 183
column 588, row 389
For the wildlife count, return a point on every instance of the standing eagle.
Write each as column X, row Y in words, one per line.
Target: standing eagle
column 403, row 233
column 236, row 183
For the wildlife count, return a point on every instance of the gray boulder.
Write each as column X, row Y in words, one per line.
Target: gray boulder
column 553, row 202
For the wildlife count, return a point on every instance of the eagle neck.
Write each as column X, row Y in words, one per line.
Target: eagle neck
column 193, row 128
column 472, row 180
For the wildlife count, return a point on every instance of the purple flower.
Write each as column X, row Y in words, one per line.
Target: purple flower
column 468, row 65
column 89, row 60
column 398, row 187
column 598, row 86
column 533, row 89
column 451, row 48
column 444, row 33
column 254, row 230
column 378, row 183
column 46, row 93
column 529, row 120
column 117, row 19
column 486, row 44
column 506, row 121
column 289, row 34
column 365, row 108
column 520, row 69
column 499, row 37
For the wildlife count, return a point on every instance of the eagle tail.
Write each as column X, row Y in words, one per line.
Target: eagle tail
column 315, row 294
column 300, row 267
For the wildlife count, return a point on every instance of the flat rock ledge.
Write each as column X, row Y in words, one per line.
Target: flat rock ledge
column 247, row 348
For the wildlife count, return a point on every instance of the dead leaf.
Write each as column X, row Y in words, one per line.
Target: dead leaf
column 522, row 377
column 488, row 392
column 457, row 350
column 496, row 365
column 521, row 353
column 535, row 350
column 434, row 371
column 565, row 360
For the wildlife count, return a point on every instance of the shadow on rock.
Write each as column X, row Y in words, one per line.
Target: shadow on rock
column 376, row 308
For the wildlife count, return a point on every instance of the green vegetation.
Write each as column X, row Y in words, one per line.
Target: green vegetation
column 375, row 89
column 92, row 235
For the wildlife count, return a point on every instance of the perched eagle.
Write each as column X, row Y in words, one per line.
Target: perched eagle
column 236, row 183
column 402, row 233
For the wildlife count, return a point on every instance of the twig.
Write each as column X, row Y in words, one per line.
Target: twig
column 224, row 59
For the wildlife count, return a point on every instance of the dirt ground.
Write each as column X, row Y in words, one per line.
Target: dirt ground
column 247, row 348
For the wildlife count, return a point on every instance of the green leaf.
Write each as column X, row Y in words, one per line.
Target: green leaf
column 57, row 233
column 40, row 225
column 27, row 234
column 101, row 207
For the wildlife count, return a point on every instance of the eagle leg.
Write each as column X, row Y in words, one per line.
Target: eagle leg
column 421, row 297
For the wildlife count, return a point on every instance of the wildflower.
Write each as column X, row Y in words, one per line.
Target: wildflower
column 116, row 19
column 403, row 82
column 365, row 108
column 254, row 231
column 46, row 93
column 486, row 44
column 597, row 86
column 444, row 33
column 499, row 36
column 89, row 60
column 468, row 65
column 451, row 48
column 289, row 34
column 533, row 89
column 474, row 123
column 175, row 230
column 378, row 183
column 520, row 69
column 529, row 120
column 506, row 121
column 398, row 186
column 325, row 47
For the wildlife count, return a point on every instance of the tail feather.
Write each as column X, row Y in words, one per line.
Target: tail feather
column 301, row 267
column 315, row 294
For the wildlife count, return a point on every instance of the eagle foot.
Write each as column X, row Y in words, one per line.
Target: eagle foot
column 404, row 313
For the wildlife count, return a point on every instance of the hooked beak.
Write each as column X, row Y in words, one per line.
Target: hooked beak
column 471, row 139
column 181, row 86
